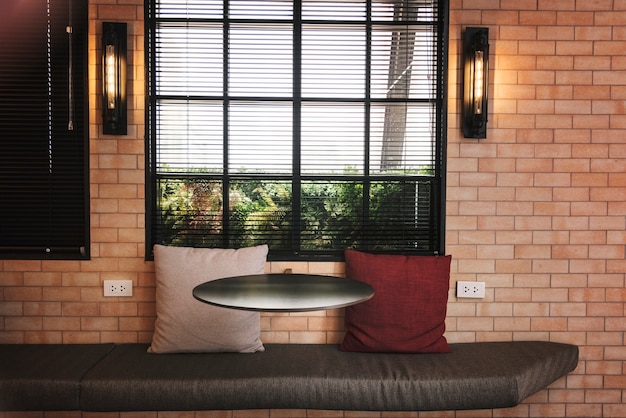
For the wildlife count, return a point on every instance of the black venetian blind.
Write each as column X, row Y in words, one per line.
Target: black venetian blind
column 43, row 129
column 312, row 125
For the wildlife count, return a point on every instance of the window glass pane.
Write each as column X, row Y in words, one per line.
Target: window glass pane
column 260, row 137
column 334, row 10
column 331, row 68
column 332, row 138
column 400, row 215
column 261, row 214
column 332, row 216
column 402, row 138
column 189, row 59
column 189, row 136
column 186, row 9
column 190, row 212
column 404, row 10
column 402, row 62
column 424, row 69
column 260, row 9
column 261, row 60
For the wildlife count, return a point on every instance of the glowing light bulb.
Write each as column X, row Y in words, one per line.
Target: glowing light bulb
column 111, row 76
column 478, row 82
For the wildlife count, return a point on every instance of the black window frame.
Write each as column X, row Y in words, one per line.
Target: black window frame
column 44, row 130
column 435, row 181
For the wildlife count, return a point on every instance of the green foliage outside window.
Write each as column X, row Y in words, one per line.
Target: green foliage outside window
column 332, row 214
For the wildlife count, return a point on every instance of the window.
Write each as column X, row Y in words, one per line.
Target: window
column 44, row 212
column 310, row 125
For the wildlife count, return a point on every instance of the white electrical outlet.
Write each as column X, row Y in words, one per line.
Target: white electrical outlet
column 118, row 288
column 470, row 290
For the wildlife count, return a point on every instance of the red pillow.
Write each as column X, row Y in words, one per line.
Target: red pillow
column 408, row 310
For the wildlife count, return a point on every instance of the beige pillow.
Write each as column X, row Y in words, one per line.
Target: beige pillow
column 184, row 324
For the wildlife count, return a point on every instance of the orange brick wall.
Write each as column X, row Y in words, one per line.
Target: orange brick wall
column 537, row 211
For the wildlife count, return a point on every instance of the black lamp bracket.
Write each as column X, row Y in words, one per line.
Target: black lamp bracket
column 475, row 82
column 114, row 108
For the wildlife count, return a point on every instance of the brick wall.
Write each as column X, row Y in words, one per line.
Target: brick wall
column 537, row 210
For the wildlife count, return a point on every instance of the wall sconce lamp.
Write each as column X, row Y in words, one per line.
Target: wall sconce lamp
column 114, row 118
column 475, row 82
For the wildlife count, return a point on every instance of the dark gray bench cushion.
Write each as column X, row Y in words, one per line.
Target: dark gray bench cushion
column 472, row 376
column 45, row 377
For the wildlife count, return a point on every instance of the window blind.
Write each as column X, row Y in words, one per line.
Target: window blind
column 312, row 126
column 43, row 145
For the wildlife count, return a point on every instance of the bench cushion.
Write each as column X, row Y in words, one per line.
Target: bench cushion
column 40, row 377
column 292, row 376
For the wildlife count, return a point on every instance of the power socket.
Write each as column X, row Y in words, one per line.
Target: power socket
column 118, row 288
column 470, row 290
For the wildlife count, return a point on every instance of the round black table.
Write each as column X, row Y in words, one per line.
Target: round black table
column 283, row 292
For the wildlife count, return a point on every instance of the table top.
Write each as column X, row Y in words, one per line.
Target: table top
column 287, row 292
